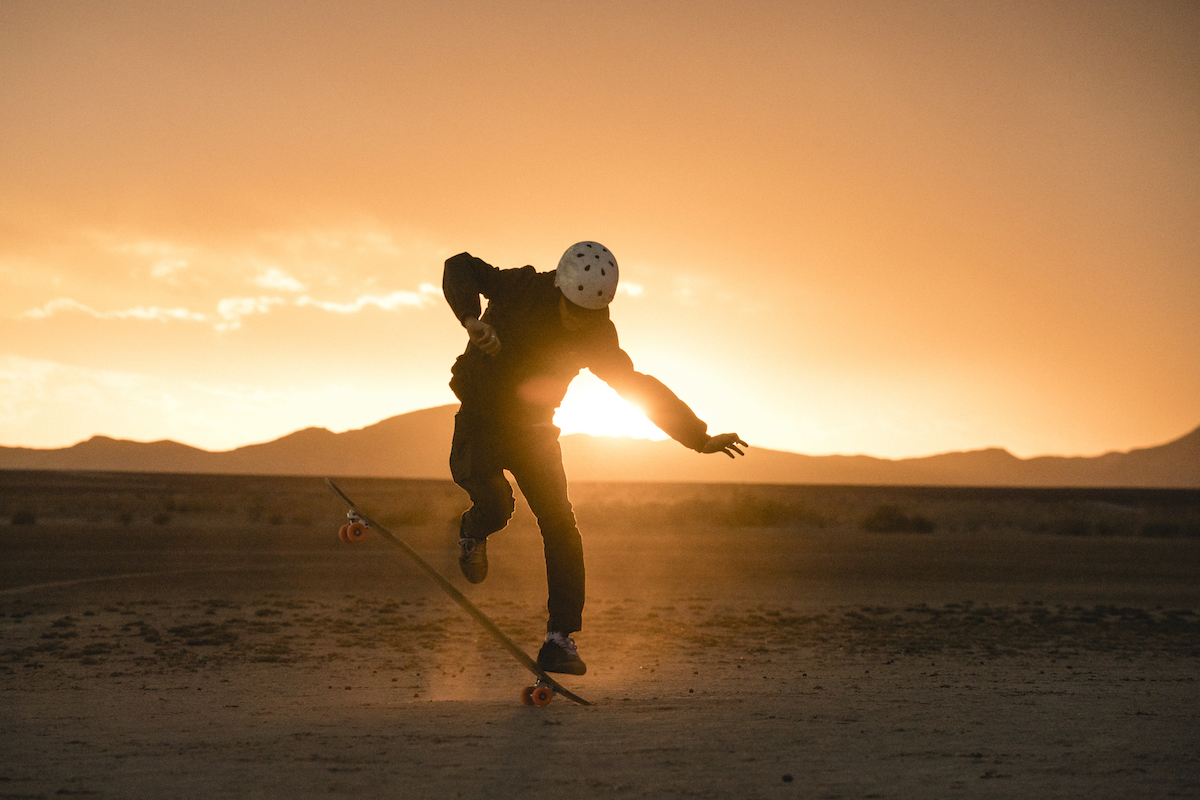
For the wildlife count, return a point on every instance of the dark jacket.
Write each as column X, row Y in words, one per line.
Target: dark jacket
column 526, row 381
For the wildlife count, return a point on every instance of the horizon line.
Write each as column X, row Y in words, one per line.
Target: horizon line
column 602, row 436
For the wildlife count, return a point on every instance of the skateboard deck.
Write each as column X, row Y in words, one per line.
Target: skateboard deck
column 543, row 690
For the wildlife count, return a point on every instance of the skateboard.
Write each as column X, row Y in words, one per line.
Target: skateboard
column 543, row 689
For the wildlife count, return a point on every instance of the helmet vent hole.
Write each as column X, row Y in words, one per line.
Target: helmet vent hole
column 602, row 273
column 581, row 287
column 588, row 268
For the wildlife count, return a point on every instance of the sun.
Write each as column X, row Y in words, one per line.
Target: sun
column 591, row 406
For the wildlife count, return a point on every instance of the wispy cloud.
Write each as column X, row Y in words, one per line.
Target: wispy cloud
column 233, row 309
column 690, row 290
column 275, row 278
column 142, row 248
column 427, row 294
column 154, row 313
column 329, row 264
column 165, row 269
column 364, row 240
column 230, row 311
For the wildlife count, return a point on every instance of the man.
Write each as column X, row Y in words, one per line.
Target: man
column 539, row 331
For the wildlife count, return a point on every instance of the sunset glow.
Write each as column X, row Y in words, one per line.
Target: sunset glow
column 891, row 229
column 592, row 407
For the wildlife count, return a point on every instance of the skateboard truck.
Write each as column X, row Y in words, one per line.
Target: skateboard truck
column 540, row 694
column 355, row 530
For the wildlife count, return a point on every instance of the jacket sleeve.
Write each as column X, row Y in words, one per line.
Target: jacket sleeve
column 463, row 280
column 660, row 405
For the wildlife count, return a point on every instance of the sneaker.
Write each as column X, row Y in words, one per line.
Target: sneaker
column 558, row 654
column 472, row 558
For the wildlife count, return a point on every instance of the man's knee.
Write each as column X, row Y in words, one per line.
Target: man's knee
column 560, row 535
column 486, row 517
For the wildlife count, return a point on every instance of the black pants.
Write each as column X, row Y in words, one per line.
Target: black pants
column 482, row 450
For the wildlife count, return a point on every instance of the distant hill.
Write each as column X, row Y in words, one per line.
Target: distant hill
column 417, row 445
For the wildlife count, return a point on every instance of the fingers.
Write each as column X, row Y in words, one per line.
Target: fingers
column 484, row 337
column 726, row 443
column 489, row 344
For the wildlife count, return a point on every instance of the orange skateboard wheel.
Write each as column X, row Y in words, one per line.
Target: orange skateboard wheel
column 342, row 533
column 527, row 696
column 541, row 696
column 356, row 532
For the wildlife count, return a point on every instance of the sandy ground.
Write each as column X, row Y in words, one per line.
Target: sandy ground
column 732, row 662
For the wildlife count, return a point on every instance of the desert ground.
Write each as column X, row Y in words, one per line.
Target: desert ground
column 210, row 636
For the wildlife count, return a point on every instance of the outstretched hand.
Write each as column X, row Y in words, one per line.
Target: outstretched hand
column 726, row 443
column 483, row 336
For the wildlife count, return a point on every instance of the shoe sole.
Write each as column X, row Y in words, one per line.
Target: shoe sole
column 565, row 669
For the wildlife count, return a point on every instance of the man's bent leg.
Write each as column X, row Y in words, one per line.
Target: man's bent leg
column 476, row 467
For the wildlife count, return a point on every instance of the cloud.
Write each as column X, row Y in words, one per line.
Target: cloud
column 631, row 289
column 689, row 290
column 142, row 248
column 153, row 313
column 427, row 294
column 275, row 278
column 230, row 311
column 233, row 309
column 165, row 269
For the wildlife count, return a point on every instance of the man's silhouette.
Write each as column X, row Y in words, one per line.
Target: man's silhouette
column 539, row 330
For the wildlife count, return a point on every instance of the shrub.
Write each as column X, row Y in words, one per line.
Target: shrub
column 1162, row 530
column 892, row 519
column 1072, row 526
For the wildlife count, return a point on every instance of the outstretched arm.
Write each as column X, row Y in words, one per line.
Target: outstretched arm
column 726, row 443
column 659, row 403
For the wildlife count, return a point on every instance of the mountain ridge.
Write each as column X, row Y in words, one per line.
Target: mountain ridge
column 417, row 445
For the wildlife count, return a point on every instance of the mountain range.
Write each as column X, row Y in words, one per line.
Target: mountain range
column 417, row 444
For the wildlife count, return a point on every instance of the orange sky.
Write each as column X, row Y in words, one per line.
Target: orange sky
column 884, row 228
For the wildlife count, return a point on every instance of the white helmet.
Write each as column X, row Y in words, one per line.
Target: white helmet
column 587, row 275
